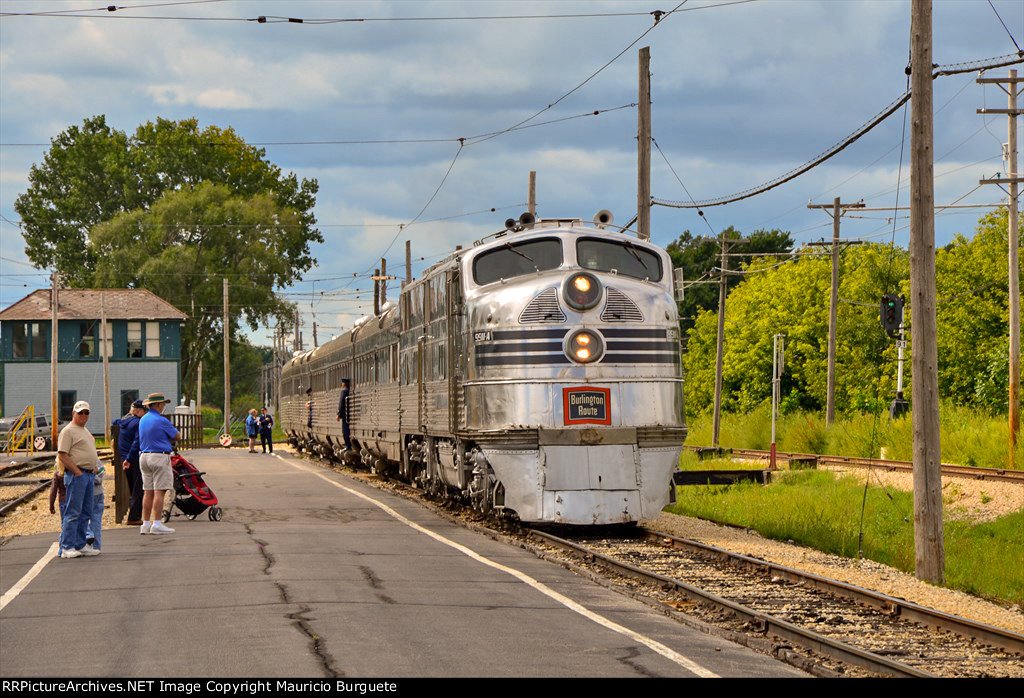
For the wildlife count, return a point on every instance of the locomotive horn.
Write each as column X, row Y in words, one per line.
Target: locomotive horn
column 603, row 218
column 526, row 220
column 510, row 223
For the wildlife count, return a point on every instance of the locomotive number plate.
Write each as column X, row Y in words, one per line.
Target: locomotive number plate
column 586, row 405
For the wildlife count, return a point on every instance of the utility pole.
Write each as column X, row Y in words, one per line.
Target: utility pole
column 106, row 367
column 54, row 417
column 531, row 195
column 1013, row 229
column 721, row 345
column 643, row 148
column 833, row 309
column 928, row 543
column 227, row 362
column 778, row 361
column 383, row 281
column 298, row 332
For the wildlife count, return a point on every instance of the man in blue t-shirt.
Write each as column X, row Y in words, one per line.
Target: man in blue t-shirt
column 156, row 436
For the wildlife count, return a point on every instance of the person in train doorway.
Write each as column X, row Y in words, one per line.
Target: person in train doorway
column 128, row 449
column 252, row 429
column 156, row 438
column 309, row 407
column 343, row 413
column 266, row 423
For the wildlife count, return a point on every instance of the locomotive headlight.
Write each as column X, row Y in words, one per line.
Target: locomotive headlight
column 585, row 347
column 583, row 291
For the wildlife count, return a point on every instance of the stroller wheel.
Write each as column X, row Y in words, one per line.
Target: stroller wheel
column 192, row 517
column 166, row 516
column 216, row 513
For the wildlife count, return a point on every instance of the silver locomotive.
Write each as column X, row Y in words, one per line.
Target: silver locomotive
column 536, row 373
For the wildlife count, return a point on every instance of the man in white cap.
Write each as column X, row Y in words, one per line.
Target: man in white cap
column 76, row 451
column 156, row 436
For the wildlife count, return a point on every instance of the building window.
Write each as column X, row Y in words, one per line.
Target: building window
column 153, row 340
column 127, row 398
column 29, row 340
column 66, row 403
column 87, row 345
column 134, row 340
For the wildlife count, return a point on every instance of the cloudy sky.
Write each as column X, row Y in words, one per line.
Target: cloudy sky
column 742, row 92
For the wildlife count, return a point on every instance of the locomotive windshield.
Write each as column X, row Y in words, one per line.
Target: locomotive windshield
column 517, row 259
column 624, row 257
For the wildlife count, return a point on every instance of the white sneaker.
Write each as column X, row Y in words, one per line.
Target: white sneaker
column 89, row 550
column 159, row 529
column 144, row 529
column 70, row 553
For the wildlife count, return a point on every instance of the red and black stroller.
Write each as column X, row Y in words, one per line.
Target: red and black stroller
column 191, row 494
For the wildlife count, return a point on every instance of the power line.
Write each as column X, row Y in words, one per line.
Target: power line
column 280, row 19
column 1004, row 26
column 952, row 69
column 377, row 141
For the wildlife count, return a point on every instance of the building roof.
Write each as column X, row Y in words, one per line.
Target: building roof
column 89, row 303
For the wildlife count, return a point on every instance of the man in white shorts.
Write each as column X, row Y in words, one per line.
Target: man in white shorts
column 156, row 436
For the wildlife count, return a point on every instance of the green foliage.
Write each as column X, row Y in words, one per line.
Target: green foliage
column 93, row 172
column 792, row 299
column 697, row 256
column 174, row 209
column 973, row 316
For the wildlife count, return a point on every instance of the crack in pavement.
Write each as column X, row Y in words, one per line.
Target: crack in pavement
column 299, row 619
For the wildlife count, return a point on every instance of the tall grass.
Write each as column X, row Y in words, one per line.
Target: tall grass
column 966, row 436
column 823, row 511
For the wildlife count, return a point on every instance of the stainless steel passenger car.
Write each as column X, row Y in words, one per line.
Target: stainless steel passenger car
column 537, row 373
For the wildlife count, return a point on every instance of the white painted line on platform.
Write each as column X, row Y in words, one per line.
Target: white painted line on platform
column 12, row 594
column 661, row 649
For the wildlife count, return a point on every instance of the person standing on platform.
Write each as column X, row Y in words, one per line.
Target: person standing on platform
column 343, row 413
column 252, row 430
column 266, row 430
column 76, row 450
column 128, row 449
column 156, row 436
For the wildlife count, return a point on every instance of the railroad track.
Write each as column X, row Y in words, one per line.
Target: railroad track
column 853, row 626
column 976, row 473
column 9, row 504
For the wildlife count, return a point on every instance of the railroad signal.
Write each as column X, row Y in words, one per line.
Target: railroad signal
column 892, row 314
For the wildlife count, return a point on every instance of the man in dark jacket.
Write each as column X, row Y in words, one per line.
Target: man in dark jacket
column 266, row 424
column 343, row 413
column 128, row 449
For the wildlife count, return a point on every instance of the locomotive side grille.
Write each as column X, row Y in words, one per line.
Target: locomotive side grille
column 619, row 308
column 543, row 308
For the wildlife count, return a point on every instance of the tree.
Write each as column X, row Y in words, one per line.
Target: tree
column 698, row 257
column 973, row 316
column 183, row 247
column 93, row 173
column 792, row 299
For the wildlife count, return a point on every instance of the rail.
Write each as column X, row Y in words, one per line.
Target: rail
column 948, row 469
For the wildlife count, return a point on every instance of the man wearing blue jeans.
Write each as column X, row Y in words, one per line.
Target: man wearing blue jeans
column 76, row 450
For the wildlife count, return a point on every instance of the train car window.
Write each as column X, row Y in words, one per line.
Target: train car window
column 624, row 257
column 517, row 259
column 415, row 306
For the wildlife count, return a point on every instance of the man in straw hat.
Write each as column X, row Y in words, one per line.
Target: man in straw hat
column 156, row 436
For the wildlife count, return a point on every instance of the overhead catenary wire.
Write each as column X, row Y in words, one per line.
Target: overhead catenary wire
column 952, row 69
column 313, row 21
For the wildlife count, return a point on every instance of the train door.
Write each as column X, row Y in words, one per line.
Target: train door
column 453, row 310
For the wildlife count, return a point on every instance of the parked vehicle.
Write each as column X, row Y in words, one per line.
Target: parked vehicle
column 41, row 431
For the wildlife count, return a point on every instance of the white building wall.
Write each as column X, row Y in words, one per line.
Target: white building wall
column 29, row 384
